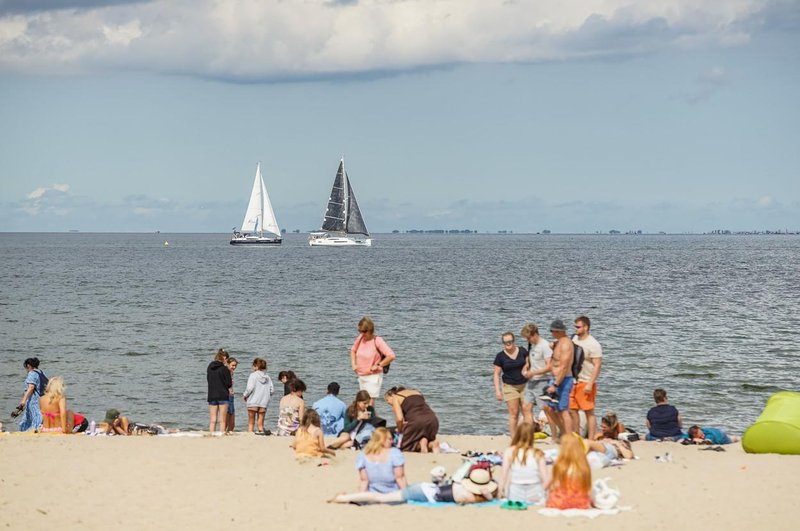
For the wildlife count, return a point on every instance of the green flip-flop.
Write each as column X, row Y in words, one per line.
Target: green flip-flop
column 514, row 505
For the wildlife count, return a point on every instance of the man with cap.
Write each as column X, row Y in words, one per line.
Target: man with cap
column 561, row 385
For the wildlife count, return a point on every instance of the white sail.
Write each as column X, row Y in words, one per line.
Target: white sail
column 259, row 216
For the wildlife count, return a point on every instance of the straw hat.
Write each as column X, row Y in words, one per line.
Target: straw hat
column 479, row 479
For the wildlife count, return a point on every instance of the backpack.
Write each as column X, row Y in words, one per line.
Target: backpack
column 42, row 382
column 577, row 360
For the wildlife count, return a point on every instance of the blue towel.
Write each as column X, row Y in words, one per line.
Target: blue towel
column 453, row 504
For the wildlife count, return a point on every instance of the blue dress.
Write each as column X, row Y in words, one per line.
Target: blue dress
column 381, row 475
column 31, row 417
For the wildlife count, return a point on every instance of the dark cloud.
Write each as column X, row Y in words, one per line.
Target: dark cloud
column 31, row 6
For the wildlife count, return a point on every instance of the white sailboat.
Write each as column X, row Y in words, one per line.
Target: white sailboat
column 259, row 225
column 342, row 225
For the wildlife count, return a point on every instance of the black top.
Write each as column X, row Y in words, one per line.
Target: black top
column 664, row 421
column 512, row 369
column 219, row 381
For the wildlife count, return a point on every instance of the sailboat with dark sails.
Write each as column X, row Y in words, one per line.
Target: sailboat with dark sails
column 343, row 225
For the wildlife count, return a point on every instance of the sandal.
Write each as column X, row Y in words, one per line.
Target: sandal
column 514, row 505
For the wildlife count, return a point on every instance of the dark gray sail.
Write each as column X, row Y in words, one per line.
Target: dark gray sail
column 335, row 215
column 355, row 223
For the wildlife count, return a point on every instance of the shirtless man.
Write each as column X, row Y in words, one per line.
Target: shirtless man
column 562, row 382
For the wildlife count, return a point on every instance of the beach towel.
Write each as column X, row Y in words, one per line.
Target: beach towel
column 453, row 504
column 586, row 513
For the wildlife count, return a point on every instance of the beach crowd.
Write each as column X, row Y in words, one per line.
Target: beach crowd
column 546, row 386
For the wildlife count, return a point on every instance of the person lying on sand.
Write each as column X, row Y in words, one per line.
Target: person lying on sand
column 476, row 487
column 698, row 435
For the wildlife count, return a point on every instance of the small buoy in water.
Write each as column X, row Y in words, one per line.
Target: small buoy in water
column 166, row 243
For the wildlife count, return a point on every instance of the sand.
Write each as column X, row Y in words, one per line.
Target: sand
column 248, row 482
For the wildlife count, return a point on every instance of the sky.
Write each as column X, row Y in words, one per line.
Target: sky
column 568, row 116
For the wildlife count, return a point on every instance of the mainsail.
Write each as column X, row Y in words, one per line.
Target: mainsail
column 335, row 214
column 259, row 216
column 343, row 214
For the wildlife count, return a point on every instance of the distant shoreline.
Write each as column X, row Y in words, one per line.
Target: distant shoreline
column 454, row 232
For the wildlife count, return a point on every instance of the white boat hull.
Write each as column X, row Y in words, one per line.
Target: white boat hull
column 255, row 240
column 340, row 241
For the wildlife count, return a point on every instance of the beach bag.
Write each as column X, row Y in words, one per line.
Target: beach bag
column 385, row 367
column 363, row 433
column 43, row 380
column 377, row 422
column 603, row 496
column 577, row 360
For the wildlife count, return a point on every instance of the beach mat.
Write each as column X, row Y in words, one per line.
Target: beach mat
column 453, row 504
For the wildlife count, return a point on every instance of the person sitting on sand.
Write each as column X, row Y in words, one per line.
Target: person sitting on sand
column 664, row 422
column 115, row 423
column 292, row 409
column 381, row 468
column 415, row 420
column 257, row 395
column 356, row 416
column 524, row 468
column 53, row 405
column 476, row 487
column 331, row 411
column 572, row 478
column 698, row 435
column 308, row 440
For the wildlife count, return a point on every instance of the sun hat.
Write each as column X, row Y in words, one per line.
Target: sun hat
column 477, row 479
column 558, row 326
column 112, row 415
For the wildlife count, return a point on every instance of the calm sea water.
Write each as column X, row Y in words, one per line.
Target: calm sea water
column 131, row 323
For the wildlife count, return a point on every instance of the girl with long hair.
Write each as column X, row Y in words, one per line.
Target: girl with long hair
column 572, row 477
column 309, row 440
column 381, row 468
column 357, row 414
column 524, row 469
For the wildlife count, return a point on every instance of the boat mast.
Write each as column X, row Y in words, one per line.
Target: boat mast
column 261, row 184
column 346, row 184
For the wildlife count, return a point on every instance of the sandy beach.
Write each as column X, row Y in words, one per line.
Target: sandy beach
column 244, row 482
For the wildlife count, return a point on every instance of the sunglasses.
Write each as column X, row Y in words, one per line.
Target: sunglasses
column 511, row 342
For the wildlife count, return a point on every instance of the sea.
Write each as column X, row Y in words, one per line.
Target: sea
column 131, row 321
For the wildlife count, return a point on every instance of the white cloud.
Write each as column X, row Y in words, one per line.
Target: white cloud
column 41, row 191
column 764, row 201
column 274, row 39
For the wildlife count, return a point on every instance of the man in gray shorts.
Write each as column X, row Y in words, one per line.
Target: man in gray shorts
column 538, row 371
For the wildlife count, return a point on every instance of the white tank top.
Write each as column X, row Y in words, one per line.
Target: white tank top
column 527, row 474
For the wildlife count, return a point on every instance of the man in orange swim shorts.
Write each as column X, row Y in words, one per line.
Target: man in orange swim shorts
column 585, row 389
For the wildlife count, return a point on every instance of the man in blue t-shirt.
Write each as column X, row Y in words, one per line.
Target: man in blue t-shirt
column 700, row 435
column 663, row 421
column 331, row 411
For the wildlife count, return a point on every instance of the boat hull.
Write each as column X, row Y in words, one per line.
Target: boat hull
column 256, row 241
column 340, row 241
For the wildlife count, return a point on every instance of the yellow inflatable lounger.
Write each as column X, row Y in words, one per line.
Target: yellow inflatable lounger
column 777, row 429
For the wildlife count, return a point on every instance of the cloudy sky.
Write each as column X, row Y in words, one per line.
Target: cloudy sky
column 567, row 115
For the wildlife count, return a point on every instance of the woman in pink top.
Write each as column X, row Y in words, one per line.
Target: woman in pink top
column 368, row 358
